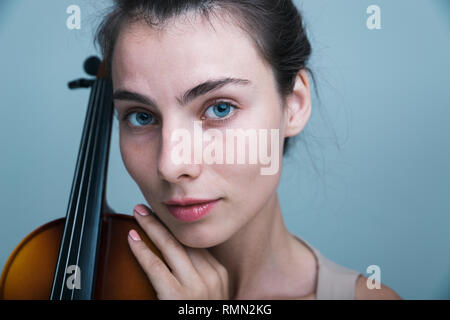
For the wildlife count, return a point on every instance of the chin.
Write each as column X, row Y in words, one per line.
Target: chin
column 193, row 237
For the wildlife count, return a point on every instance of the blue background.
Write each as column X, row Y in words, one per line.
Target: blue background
column 367, row 183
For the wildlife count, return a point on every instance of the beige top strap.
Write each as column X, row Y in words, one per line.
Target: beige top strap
column 334, row 282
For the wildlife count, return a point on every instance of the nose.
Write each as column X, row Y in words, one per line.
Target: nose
column 177, row 142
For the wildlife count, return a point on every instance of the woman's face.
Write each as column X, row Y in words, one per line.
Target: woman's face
column 162, row 66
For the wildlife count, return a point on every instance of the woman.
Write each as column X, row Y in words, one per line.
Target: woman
column 225, row 65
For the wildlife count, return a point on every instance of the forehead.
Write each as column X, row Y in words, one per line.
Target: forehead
column 188, row 50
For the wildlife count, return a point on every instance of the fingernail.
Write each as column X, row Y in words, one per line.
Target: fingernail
column 141, row 211
column 134, row 235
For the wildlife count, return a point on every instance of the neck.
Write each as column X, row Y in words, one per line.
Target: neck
column 260, row 256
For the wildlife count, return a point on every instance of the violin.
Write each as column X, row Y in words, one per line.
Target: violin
column 86, row 254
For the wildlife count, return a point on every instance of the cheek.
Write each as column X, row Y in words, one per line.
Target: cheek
column 134, row 157
column 127, row 157
column 247, row 189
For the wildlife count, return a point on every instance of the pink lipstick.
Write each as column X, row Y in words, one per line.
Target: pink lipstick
column 190, row 209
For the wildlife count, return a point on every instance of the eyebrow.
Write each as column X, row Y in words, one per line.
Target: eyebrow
column 191, row 94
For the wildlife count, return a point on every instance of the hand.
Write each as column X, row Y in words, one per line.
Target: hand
column 194, row 273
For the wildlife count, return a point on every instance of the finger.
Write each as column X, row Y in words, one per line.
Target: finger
column 207, row 272
column 172, row 250
column 220, row 269
column 159, row 275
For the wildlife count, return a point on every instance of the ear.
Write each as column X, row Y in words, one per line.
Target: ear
column 298, row 108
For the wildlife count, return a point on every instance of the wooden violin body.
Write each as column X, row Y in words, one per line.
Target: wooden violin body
column 29, row 272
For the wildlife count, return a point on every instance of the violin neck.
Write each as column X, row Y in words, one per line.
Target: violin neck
column 76, row 266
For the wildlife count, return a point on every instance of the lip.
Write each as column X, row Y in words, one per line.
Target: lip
column 187, row 201
column 189, row 209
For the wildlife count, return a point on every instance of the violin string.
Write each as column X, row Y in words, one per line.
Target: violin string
column 79, row 195
column 74, row 190
column 87, row 203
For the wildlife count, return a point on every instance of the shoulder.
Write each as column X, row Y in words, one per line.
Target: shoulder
column 362, row 292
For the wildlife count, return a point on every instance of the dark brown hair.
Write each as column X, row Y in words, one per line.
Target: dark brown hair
column 275, row 26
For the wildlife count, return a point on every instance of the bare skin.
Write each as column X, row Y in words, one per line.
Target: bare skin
column 242, row 249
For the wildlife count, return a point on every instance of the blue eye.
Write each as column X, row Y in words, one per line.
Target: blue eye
column 219, row 110
column 138, row 119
